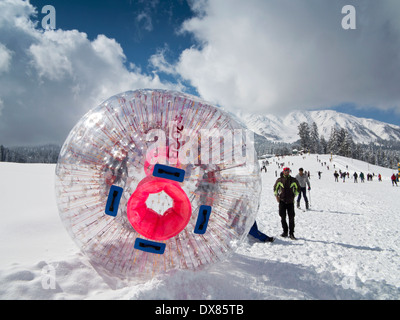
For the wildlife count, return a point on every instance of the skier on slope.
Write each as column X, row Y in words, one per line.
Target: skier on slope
column 355, row 175
column 303, row 182
column 336, row 174
column 394, row 180
column 285, row 189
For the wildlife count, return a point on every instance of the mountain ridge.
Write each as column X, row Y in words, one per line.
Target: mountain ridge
column 285, row 128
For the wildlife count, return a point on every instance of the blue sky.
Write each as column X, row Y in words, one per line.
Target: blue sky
column 141, row 27
column 261, row 56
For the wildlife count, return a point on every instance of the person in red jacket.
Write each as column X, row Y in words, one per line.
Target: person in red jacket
column 394, row 180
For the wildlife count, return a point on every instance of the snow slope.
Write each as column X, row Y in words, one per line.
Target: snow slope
column 348, row 246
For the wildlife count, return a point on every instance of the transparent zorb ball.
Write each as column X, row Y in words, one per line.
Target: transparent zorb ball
column 153, row 180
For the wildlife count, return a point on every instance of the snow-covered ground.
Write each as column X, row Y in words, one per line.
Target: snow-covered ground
column 348, row 245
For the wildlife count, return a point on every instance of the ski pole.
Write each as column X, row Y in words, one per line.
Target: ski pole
column 309, row 194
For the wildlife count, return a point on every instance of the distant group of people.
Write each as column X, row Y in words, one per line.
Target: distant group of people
column 343, row 175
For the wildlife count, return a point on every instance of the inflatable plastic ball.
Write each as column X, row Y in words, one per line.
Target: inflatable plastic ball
column 151, row 181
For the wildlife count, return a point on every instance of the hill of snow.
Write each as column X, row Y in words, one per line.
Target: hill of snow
column 285, row 129
column 348, row 245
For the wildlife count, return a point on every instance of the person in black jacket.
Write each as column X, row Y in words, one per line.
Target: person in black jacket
column 286, row 188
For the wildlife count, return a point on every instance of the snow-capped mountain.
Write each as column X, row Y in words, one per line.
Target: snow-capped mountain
column 285, row 129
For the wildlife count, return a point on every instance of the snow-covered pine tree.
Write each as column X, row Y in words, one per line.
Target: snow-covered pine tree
column 304, row 134
column 346, row 143
column 334, row 143
column 315, row 146
column 324, row 145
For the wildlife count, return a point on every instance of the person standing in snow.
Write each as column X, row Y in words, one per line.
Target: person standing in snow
column 303, row 181
column 285, row 189
column 263, row 167
column 394, row 180
column 336, row 174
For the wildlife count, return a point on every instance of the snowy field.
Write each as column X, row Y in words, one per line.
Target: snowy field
column 348, row 245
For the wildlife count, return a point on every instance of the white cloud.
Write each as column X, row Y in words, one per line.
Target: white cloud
column 109, row 49
column 51, row 56
column 160, row 63
column 5, row 58
column 274, row 56
column 49, row 79
column 144, row 19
